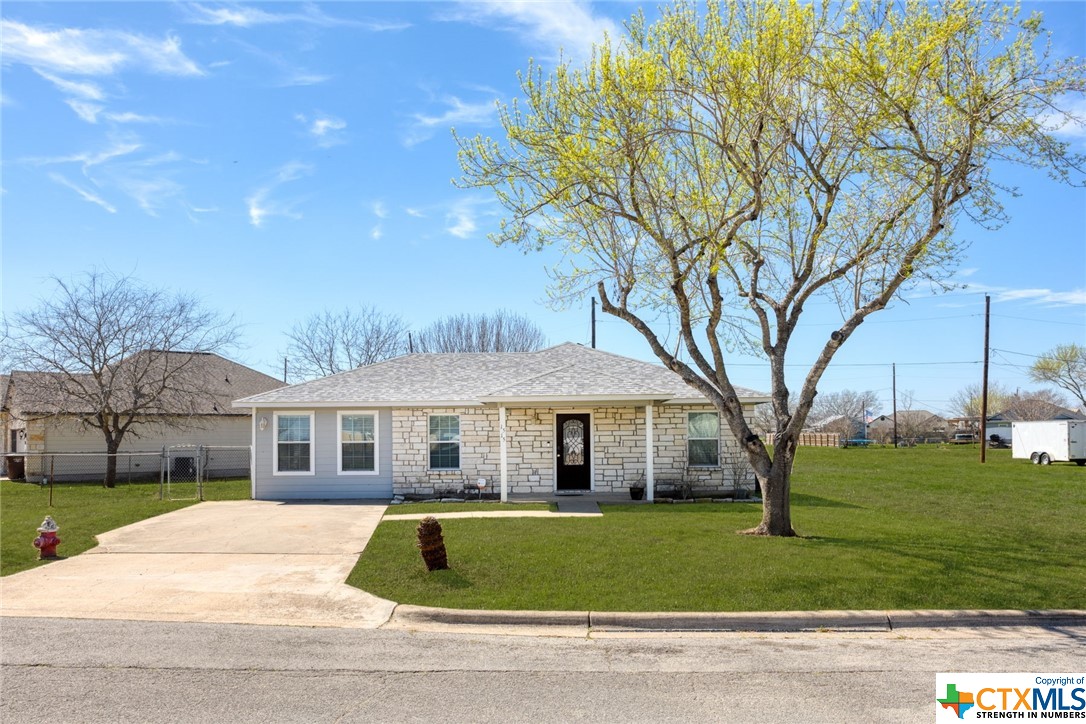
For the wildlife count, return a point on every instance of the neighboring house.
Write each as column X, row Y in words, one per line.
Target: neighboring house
column 38, row 419
column 563, row 419
column 7, row 440
column 849, row 427
column 911, row 424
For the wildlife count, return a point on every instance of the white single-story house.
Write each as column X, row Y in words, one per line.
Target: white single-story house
column 566, row 418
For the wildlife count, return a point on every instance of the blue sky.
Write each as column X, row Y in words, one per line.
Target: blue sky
column 278, row 159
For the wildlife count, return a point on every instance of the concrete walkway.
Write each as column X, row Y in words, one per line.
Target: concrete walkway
column 256, row 562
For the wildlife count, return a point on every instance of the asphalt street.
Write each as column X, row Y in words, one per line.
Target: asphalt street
column 71, row 670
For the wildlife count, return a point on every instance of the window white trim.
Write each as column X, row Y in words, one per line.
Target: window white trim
column 376, row 442
column 312, row 443
column 689, row 438
column 459, row 441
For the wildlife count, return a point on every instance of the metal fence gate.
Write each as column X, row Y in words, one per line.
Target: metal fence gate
column 186, row 469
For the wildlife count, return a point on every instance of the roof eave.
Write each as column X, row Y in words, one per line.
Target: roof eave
column 325, row 404
column 572, row 399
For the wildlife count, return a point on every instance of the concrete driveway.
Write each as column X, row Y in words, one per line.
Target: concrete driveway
column 256, row 562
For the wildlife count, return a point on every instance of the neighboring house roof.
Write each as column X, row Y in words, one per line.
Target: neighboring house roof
column 909, row 417
column 564, row 372
column 1037, row 410
column 208, row 386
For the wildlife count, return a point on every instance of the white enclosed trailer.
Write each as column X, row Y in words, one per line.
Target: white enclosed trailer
column 1049, row 441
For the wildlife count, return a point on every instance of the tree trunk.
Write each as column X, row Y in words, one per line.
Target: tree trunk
column 111, row 463
column 776, row 494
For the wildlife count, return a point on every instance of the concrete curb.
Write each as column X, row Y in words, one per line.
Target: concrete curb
column 407, row 616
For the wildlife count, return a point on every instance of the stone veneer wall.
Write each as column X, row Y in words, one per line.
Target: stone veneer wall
column 618, row 450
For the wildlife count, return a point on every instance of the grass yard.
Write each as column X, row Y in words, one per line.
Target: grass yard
column 83, row 510
column 924, row 527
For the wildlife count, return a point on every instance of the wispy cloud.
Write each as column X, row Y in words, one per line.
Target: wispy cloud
column 457, row 112
column 1031, row 296
column 87, row 111
column 412, row 211
column 380, row 210
column 376, row 232
column 90, row 159
column 81, row 89
column 243, row 16
column 1070, row 122
column 84, row 193
column 82, row 52
column 261, row 205
column 129, row 117
column 460, row 219
column 326, row 130
column 568, row 26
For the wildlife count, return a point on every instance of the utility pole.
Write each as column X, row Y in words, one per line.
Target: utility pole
column 893, row 367
column 410, row 344
column 984, row 382
column 285, row 370
column 593, row 323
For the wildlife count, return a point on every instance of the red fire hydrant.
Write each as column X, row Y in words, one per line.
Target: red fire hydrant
column 47, row 540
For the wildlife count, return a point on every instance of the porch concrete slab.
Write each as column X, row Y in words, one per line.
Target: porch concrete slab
column 253, row 562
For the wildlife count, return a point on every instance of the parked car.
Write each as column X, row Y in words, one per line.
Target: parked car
column 963, row 438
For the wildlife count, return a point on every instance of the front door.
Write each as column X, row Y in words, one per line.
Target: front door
column 572, row 451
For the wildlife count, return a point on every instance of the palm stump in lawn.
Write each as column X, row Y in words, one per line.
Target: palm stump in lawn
column 432, row 544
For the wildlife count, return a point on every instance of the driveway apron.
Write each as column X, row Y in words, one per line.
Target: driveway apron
column 257, row 562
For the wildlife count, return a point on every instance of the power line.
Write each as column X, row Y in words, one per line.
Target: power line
column 1044, row 321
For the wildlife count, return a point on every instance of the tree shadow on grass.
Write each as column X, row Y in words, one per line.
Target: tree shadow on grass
column 450, row 579
column 815, row 501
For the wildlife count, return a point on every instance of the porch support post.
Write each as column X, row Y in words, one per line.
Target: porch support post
column 649, row 480
column 502, row 455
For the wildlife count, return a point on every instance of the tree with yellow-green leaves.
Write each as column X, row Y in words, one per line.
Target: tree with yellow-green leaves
column 714, row 172
column 1064, row 366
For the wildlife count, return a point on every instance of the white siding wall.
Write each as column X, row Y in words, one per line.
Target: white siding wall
column 326, row 482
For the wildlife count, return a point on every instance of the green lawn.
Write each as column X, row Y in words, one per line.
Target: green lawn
column 83, row 510
column 925, row 527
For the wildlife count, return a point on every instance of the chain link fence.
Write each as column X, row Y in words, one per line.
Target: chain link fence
column 182, row 472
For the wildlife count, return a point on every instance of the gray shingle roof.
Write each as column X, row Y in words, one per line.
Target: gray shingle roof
column 567, row 370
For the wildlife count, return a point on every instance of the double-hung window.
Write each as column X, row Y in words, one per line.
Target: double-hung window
column 358, row 443
column 444, row 442
column 703, row 439
column 294, row 443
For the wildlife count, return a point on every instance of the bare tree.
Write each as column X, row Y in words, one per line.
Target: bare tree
column 330, row 342
column 1064, row 366
column 501, row 331
column 846, row 410
column 117, row 355
column 1042, row 404
column 966, row 401
column 912, row 423
column 718, row 170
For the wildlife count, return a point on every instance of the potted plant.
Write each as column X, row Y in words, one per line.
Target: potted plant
column 637, row 490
